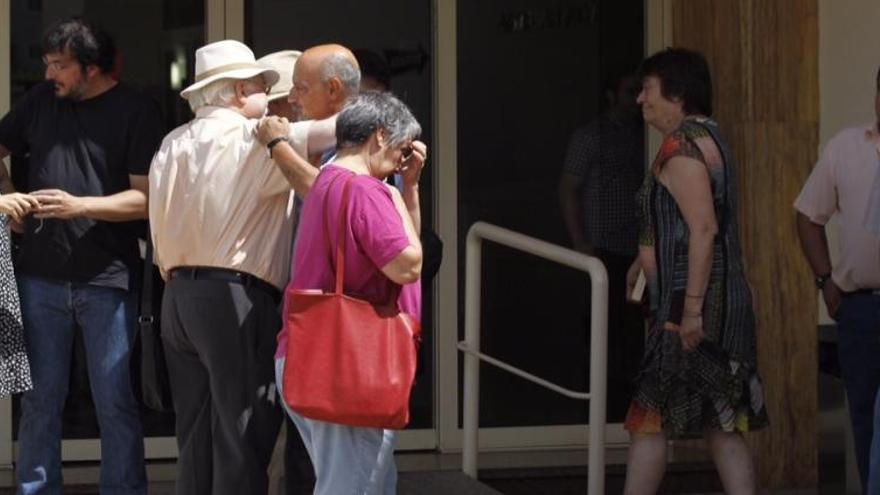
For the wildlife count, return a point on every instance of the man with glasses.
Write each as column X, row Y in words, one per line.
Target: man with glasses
column 220, row 214
column 88, row 140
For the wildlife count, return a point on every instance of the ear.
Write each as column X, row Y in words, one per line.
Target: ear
column 240, row 96
column 334, row 88
column 91, row 71
column 381, row 137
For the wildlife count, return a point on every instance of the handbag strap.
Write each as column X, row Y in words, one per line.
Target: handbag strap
column 327, row 249
column 341, row 223
column 337, row 262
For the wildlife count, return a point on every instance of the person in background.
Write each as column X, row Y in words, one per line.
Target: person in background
column 375, row 71
column 840, row 186
column 699, row 374
column 89, row 140
column 872, row 224
column 282, row 61
column 603, row 169
column 299, row 475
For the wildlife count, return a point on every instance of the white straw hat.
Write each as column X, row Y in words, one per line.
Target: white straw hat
column 282, row 62
column 227, row 59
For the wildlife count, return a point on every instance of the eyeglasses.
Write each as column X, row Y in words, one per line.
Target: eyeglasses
column 55, row 65
column 261, row 88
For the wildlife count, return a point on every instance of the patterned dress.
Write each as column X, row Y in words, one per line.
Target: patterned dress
column 715, row 386
column 15, row 375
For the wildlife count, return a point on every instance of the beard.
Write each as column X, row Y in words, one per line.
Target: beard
column 75, row 92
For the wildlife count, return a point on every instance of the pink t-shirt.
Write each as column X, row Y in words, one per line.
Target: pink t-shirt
column 840, row 185
column 375, row 236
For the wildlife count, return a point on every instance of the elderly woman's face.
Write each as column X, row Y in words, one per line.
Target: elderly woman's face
column 657, row 111
column 393, row 158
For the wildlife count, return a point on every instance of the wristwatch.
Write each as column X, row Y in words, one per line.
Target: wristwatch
column 821, row 279
column 271, row 144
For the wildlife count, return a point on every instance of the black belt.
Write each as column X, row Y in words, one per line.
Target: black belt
column 865, row 292
column 226, row 275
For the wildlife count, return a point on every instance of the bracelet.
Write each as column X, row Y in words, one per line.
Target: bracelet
column 691, row 315
column 271, row 144
column 693, row 296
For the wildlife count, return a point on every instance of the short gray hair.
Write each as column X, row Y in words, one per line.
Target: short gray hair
column 218, row 93
column 370, row 112
column 343, row 67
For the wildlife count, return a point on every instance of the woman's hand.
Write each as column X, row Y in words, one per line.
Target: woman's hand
column 411, row 169
column 18, row 205
column 691, row 332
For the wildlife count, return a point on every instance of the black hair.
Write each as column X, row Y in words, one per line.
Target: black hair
column 684, row 74
column 87, row 43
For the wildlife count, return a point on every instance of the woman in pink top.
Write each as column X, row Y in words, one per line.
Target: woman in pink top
column 375, row 138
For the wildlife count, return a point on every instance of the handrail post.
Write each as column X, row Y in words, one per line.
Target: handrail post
column 598, row 358
column 471, row 406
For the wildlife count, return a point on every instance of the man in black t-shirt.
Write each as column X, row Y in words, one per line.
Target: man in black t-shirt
column 89, row 141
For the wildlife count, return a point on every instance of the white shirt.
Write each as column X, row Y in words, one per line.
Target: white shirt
column 217, row 199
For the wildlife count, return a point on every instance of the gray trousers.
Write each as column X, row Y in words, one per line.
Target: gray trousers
column 219, row 340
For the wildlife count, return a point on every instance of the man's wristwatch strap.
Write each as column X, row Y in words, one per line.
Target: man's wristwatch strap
column 271, row 144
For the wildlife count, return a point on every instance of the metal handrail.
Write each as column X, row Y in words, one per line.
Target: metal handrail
column 470, row 346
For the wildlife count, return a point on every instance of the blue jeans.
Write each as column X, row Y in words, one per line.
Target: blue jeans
column 858, row 323
column 51, row 311
column 347, row 459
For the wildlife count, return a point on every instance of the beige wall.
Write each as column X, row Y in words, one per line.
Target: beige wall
column 849, row 54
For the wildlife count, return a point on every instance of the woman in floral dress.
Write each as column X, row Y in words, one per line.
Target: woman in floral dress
column 699, row 373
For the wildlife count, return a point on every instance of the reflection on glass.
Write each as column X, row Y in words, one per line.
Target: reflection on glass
column 155, row 41
column 530, row 74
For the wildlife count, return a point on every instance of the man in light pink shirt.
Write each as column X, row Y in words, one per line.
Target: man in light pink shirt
column 840, row 185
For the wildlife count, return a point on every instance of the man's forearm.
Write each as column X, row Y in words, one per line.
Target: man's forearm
column 300, row 174
column 119, row 207
column 814, row 244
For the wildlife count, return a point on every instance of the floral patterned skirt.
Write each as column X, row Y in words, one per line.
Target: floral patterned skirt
column 682, row 394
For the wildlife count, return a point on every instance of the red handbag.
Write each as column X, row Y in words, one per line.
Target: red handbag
column 349, row 361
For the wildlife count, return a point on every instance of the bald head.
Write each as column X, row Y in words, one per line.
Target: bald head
column 325, row 77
